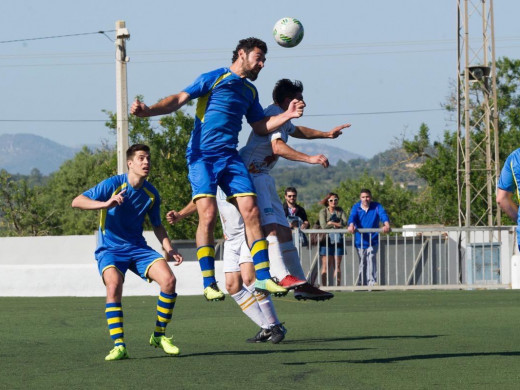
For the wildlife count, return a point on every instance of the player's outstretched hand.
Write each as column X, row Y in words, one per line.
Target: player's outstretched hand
column 320, row 159
column 336, row 132
column 115, row 200
column 173, row 217
column 174, row 257
column 139, row 109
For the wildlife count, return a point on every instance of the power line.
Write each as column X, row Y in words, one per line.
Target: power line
column 309, row 115
column 58, row 36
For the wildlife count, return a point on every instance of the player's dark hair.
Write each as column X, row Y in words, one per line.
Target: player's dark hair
column 136, row 148
column 248, row 44
column 291, row 189
column 365, row 191
column 286, row 88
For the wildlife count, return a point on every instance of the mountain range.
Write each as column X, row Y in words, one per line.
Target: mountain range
column 21, row 153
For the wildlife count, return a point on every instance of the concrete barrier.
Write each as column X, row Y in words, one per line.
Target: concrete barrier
column 65, row 266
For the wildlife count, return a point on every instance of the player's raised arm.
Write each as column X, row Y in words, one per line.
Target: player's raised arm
column 308, row 133
column 165, row 106
column 271, row 123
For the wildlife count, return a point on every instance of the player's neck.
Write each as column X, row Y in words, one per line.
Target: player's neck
column 136, row 181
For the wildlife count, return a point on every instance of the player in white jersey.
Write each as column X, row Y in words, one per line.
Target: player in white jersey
column 240, row 271
column 260, row 155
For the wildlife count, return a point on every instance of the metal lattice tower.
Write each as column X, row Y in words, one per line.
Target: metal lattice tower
column 477, row 129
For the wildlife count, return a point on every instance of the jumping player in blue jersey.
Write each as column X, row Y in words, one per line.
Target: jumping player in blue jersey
column 124, row 201
column 225, row 96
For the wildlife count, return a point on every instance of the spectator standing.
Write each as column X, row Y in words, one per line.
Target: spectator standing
column 332, row 217
column 367, row 214
column 295, row 214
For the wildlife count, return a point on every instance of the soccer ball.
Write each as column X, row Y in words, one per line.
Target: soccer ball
column 288, row 32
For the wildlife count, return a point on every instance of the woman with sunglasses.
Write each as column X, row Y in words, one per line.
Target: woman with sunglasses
column 332, row 217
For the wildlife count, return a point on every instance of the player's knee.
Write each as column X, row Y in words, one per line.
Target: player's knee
column 168, row 285
column 232, row 287
column 114, row 291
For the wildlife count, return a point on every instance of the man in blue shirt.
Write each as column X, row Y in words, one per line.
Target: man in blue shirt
column 366, row 214
column 225, row 96
column 124, row 201
column 507, row 186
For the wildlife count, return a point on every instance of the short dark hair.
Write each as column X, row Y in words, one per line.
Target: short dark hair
column 291, row 189
column 365, row 191
column 286, row 88
column 130, row 152
column 248, row 44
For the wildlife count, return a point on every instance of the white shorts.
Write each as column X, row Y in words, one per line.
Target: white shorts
column 236, row 252
column 271, row 209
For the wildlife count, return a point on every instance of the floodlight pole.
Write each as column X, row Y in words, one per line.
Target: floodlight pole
column 122, row 35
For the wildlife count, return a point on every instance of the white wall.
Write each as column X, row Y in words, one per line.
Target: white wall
column 65, row 266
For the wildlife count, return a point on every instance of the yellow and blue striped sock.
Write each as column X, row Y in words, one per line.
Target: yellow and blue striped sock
column 114, row 315
column 206, row 257
column 165, row 305
column 260, row 254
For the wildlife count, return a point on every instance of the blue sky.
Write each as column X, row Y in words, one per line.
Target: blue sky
column 383, row 66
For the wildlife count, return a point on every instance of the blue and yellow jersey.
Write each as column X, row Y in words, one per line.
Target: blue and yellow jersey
column 224, row 99
column 123, row 225
column 510, row 177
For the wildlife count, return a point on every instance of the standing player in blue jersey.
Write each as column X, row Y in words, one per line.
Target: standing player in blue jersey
column 124, row 201
column 508, row 186
column 225, row 96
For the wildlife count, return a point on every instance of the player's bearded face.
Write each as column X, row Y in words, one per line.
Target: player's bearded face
column 253, row 64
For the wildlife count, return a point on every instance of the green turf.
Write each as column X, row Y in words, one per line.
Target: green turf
column 362, row 340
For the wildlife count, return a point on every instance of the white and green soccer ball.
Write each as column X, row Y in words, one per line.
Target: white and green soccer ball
column 288, row 32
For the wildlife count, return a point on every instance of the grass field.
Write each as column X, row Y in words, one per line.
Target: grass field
column 362, row 340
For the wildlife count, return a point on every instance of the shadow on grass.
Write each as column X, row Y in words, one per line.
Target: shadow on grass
column 412, row 357
column 325, row 340
column 251, row 352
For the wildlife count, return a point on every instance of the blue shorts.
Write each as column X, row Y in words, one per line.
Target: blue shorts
column 134, row 258
column 228, row 172
column 332, row 250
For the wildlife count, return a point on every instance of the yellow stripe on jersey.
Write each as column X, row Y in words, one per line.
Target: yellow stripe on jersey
column 202, row 102
column 253, row 91
column 151, row 195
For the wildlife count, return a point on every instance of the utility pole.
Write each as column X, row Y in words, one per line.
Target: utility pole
column 477, row 126
column 122, row 35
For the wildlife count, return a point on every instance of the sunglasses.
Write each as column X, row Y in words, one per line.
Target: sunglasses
column 333, row 200
column 291, row 196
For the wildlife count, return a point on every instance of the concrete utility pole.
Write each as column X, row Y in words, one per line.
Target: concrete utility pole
column 122, row 35
column 477, row 128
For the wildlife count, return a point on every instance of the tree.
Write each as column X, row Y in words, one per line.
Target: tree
column 437, row 162
column 22, row 212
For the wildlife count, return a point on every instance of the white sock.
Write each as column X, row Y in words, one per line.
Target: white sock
column 276, row 261
column 250, row 307
column 266, row 306
column 292, row 260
